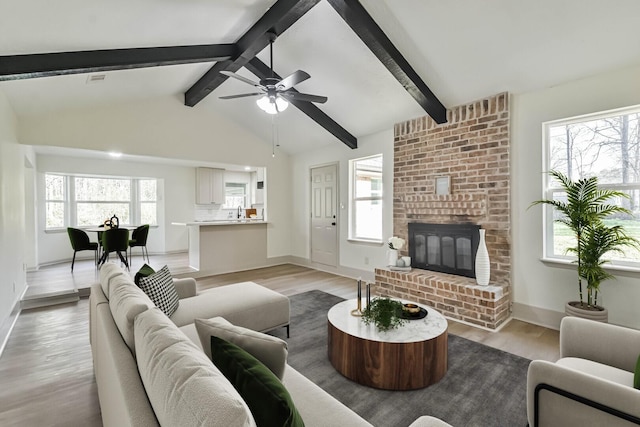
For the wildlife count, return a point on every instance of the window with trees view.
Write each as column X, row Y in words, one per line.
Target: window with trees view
column 85, row 201
column 606, row 145
column 235, row 194
column 366, row 199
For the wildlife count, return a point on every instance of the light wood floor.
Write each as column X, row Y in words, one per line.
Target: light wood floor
column 46, row 372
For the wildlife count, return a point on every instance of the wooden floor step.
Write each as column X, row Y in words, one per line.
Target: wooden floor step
column 48, row 299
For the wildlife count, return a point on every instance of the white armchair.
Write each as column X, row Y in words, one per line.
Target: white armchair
column 592, row 382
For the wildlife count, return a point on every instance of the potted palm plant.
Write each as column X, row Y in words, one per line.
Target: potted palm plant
column 584, row 211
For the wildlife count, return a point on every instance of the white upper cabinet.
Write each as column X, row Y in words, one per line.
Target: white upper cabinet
column 209, row 186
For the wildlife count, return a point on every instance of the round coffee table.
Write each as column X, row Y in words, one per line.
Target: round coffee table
column 410, row 357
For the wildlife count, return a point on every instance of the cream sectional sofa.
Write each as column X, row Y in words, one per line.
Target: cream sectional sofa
column 150, row 369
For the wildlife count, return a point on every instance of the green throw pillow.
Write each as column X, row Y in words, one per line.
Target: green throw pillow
column 636, row 376
column 145, row 271
column 264, row 394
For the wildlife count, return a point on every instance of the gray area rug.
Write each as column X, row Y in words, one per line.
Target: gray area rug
column 483, row 386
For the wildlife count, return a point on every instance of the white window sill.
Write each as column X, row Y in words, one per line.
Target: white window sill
column 365, row 241
column 608, row 266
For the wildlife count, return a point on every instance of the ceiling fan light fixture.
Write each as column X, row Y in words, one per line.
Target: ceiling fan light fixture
column 269, row 107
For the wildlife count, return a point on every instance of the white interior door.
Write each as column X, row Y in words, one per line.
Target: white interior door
column 324, row 231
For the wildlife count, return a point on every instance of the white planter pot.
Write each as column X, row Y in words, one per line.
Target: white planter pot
column 572, row 308
column 392, row 257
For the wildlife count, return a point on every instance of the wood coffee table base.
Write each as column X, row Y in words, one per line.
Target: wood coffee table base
column 389, row 366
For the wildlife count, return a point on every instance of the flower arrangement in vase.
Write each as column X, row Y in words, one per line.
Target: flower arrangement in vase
column 395, row 244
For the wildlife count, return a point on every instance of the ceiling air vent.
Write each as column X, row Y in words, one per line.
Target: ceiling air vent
column 96, row 78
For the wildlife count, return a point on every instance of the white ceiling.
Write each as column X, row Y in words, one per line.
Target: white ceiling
column 463, row 49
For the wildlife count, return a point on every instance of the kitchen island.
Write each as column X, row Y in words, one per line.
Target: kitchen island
column 217, row 247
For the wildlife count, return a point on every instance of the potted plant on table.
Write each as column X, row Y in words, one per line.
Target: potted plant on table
column 584, row 211
column 385, row 313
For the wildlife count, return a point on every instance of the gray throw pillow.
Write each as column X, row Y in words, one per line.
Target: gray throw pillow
column 160, row 289
column 269, row 350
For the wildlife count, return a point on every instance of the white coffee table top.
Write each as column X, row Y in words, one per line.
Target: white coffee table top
column 412, row 331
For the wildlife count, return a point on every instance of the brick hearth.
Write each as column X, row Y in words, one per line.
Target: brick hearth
column 472, row 148
column 456, row 297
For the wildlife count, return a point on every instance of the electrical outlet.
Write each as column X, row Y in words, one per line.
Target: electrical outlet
column 366, row 260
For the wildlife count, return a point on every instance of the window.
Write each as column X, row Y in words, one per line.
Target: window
column 366, row 199
column 97, row 199
column 606, row 145
column 84, row 201
column 55, row 200
column 235, row 194
column 147, row 195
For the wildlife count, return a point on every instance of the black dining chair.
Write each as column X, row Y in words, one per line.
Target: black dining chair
column 139, row 238
column 80, row 242
column 115, row 240
column 100, row 241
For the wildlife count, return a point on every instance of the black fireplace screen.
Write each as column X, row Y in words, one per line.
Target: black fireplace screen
column 447, row 248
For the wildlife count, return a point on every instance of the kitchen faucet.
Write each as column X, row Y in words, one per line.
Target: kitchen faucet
column 239, row 210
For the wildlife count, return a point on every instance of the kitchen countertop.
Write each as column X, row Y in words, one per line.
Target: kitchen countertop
column 222, row 222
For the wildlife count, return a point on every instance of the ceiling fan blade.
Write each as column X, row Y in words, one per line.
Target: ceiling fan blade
column 239, row 77
column 242, row 95
column 292, row 79
column 297, row 96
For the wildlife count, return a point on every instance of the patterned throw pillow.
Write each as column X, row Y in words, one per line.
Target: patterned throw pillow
column 160, row 288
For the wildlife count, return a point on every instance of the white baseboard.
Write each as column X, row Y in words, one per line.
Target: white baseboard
column 484, row 328
column 537, row 316
column 340, row 270
column 270, row 262
column 7, row 326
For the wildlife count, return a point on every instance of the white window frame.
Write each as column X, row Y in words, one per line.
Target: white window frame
column 236, row 184
column 549, row 191
column 353, row 199
column 70, row 203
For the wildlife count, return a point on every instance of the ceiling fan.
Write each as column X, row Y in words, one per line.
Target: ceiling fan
column 275, row 92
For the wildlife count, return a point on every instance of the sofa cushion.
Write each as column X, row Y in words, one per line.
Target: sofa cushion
column 636, row 375
column 317, row 407
column 125, row 303
column 269, row 350
column 599, row 370
column 145, row 271
column 108, row 271
column 245, row 304
column 183, row 386
column 159, row 287
column 268, row 399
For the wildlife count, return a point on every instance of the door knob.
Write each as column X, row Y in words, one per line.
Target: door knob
column 333, row 223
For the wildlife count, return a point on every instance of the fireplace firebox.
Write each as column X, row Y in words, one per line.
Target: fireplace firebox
column 447, row 248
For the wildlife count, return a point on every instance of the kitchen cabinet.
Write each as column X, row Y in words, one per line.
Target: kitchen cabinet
column 209, row 186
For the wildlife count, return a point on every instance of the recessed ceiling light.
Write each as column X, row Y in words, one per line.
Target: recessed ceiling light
column 96, row 78
column 247, row 168
column 115, row 154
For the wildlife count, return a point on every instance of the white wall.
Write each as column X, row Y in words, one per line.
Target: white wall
column 351, row 254
column 535, row 284
column 12, row 211
column 176, row 185
column 165, row 128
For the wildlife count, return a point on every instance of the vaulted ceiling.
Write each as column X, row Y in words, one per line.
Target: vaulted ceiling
column 462, row 50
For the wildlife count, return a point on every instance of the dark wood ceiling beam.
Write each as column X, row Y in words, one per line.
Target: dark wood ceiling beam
column 16, row 67
column 261, row 70
column 355, row 15
column 282, row 15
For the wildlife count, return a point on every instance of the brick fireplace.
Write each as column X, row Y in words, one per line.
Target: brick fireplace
column 472, row 149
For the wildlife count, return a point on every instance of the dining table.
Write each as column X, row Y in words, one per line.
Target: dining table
column 104, row 255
